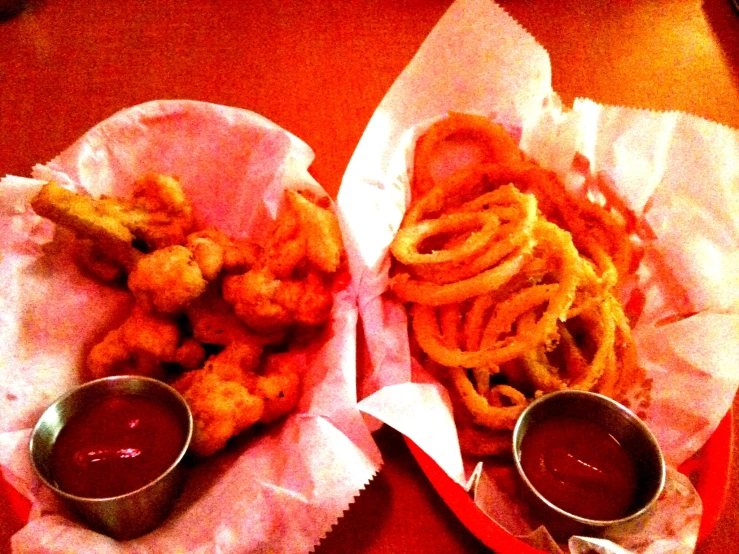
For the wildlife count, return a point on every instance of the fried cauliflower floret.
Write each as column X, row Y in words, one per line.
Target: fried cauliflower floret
column 290, row 284
column 139, row 346
column 285, row 247
column 190, row 354
column 267, row 304
column 236, row 360
column 158, row 211
column 111, row 356
column 303, row 233
column 220, row 408
column 213, row 321
column 278, row 384
column 208, row 255
column 237, row 255
column 321, row 230
column 252, row 297
column 167, row 280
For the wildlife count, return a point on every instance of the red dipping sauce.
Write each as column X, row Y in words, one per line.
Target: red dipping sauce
column 116, row 446
column 580, row 468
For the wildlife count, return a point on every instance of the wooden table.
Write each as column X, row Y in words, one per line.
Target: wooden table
column 319, row 69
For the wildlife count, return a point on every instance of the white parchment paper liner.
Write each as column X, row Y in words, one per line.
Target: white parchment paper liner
column 679, row 173
column 278, row 492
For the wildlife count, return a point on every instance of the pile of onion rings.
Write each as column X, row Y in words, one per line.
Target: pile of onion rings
column 510, row 282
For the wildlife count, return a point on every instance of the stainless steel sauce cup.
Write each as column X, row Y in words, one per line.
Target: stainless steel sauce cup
column 614, row 418
column 128, row 515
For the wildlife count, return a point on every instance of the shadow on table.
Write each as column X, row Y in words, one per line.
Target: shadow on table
column 723, row 18
column 10, row 9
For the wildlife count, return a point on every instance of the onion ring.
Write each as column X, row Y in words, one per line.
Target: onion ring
column 405, row 246
column 511, row 235
column 497, row 144
column 494, row 417
column 510, row 282
column 412, row 290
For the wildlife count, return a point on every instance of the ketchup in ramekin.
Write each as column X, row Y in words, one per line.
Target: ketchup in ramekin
column 112, row 449
column 579, row 466
column 587, row 460
column 116, row 445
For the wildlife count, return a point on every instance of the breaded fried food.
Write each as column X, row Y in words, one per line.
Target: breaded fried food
column 235, row 361
column 290, row 282
column 495, row 144
column 87, row 254
column 157, row 211
column 267, row 304
column 237, row 255
column 213, row 321
column 285, row 247
column 207, row 253
column 510, row 280
column 319, row 226
column 229, row 394
column 220, row 409
column 167, row 280
column 157, row 214
column 88, row 218
column 304, row 232
column 138, row 347
column 217, row 308
column 277, row 383
column 190, row 354
column 91, row 257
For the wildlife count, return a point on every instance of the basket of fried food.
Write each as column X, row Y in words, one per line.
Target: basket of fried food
column 216, row 317
column 511, row 282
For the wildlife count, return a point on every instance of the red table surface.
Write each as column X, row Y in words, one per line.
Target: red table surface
column 319, row 68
